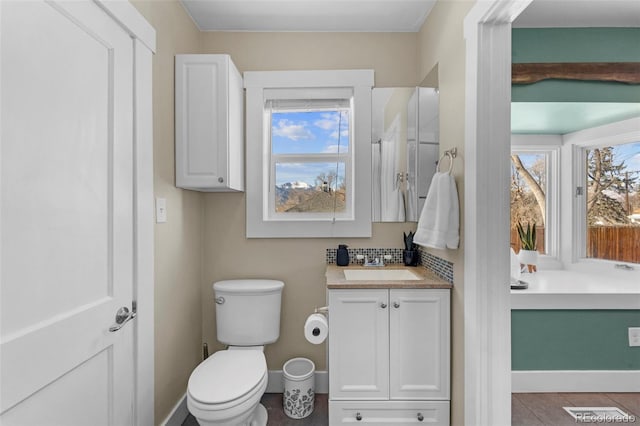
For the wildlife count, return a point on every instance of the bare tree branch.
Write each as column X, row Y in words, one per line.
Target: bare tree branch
column 533, row 185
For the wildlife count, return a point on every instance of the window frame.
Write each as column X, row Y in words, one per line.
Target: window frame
column 266, row 85
column 550, row 146
column 575, row 146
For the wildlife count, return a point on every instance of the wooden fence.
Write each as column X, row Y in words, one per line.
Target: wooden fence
column 621, row 243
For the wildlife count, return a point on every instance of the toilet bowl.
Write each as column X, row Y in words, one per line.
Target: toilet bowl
column 225, row 389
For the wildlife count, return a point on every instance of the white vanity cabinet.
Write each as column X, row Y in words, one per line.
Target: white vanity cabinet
column 209, row 123
column 389, row 356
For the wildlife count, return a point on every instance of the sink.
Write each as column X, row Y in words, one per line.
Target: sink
column 380, row 275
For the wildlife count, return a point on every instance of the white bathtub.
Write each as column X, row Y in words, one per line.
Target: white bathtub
column 568, row 289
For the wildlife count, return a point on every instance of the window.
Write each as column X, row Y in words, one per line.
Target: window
column 613, row 202
column 528, row 195
column 533, row 193
column 604, row 182
column 311, row 163
column 596, row 174
column 308, row 153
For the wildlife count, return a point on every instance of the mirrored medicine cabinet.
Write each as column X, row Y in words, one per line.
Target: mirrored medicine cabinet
column 405, row 149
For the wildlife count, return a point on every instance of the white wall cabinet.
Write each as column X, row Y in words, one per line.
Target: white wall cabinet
column 389, row 356
column 209, row 123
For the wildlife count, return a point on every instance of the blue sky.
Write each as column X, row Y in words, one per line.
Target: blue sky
column 630, row 153
column 307, row 132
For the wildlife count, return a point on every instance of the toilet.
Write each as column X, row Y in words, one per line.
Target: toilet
column 225, row 389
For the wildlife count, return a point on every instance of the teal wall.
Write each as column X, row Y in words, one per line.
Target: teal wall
column 573, row 340
column 531, row 45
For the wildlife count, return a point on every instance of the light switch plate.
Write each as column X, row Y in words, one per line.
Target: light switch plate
column 634, row 336
column 161, row 210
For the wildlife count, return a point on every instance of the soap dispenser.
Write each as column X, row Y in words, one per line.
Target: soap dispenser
column 342, row 257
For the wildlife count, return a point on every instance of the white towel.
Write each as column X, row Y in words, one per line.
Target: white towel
column 439, row 223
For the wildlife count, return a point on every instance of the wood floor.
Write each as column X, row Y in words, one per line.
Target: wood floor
column 527, row 409
column 545, row 409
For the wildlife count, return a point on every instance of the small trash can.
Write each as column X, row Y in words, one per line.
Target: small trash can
column 299, row 392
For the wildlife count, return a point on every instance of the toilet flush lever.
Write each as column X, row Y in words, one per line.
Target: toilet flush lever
column 122, row 317
column 220, row 300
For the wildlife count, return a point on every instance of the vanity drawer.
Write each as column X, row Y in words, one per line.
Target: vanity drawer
column 434, row 413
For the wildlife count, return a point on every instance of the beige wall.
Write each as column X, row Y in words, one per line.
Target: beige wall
column 300, row 263
column 204, row 238
column 442, row 55
column 178, row 243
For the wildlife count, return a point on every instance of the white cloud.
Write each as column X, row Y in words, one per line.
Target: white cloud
column 291, row 130
column 331, row 123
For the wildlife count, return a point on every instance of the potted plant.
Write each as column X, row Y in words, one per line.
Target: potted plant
column 410, row 254
column 528, row 254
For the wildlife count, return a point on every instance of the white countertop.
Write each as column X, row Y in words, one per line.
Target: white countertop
column 566, row 289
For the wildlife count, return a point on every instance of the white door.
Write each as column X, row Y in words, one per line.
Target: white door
column 359, row 344
column 66, row 219
column 419, row 344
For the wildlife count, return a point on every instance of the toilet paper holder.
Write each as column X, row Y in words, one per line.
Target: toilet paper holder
column 316, row 326
column 323, row 310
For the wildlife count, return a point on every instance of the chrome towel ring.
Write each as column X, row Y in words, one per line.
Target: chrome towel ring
column 451, row 153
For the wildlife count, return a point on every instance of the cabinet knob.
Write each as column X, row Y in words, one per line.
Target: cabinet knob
column 383, row 305
column 358, row 416
column 220, row 179
column 396, row 305
column 420, row 417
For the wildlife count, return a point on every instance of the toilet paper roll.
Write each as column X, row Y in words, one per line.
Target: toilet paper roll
column 316, row 328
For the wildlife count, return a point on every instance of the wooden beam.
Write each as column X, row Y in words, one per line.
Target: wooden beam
column 620, row 72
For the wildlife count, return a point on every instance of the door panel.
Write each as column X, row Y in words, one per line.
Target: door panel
column 92, row 412
column 66, row 214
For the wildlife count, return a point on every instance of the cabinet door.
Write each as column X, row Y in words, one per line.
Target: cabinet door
column 419, row 344
column 358, row 344
column 208, row 115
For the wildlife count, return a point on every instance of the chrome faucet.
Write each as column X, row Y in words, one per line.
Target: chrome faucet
column 375, row 262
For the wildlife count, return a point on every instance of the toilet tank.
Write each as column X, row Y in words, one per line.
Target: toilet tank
column 248, row 311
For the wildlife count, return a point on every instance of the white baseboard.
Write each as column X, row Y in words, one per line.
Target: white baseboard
column 576, row 381
column 275, row 385
column 178, row 414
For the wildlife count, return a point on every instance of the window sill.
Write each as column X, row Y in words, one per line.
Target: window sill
column 579, row 289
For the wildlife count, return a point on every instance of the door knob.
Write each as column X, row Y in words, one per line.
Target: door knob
column 122, row 317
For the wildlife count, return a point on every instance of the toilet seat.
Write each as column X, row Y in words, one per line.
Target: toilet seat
column 227, row 378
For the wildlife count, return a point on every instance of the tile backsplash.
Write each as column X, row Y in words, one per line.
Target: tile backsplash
column 371, row 253
column 441, row 267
